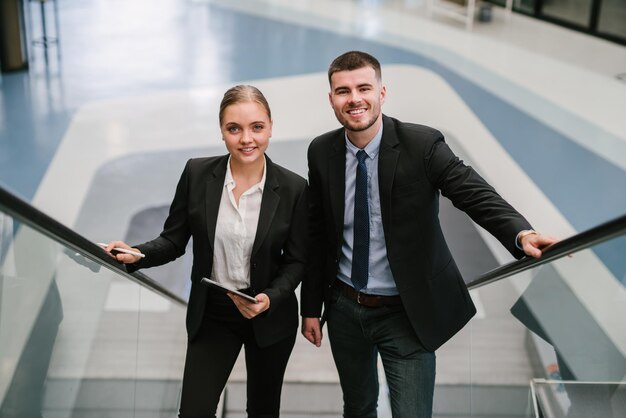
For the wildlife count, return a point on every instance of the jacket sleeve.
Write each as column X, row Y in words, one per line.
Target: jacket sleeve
column 293, row 261
column 312, row 290
column 470, row 193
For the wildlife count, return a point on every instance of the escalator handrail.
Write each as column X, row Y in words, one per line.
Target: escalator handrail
column 48, row 226
column 581, row 241
column 44, row 224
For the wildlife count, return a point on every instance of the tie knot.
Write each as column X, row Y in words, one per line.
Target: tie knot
column 361, row 156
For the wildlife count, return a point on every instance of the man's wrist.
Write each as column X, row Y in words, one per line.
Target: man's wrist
column 521, row 235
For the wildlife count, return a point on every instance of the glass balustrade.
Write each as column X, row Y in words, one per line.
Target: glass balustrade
column 78, row 338
column 550, row 339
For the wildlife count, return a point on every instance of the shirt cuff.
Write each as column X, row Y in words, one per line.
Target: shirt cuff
column 522, row 234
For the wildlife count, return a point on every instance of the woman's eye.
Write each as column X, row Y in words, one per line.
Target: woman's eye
column 258, row 127
column 233, row 129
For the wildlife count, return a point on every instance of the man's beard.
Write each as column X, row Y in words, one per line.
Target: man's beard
column 357, row 128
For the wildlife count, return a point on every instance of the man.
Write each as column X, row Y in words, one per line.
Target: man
column 379, row 261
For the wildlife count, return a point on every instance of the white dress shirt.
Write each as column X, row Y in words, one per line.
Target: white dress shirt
column 235, row 231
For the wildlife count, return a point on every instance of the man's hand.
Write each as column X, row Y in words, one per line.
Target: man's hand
column 533, row 243
column 312, row 330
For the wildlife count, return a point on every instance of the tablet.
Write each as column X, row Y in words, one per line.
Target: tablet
column 216, row 285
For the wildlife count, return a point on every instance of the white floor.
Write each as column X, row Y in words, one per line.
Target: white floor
column 564, row 79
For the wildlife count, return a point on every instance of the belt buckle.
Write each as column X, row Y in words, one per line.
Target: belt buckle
column 358, row 298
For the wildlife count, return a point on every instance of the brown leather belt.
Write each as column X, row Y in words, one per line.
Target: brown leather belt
column 370, row 301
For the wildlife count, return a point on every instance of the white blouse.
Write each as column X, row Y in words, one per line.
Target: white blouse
column 235, row 231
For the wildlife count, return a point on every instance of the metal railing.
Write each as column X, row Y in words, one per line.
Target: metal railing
column 586, row 239
column 46, row 225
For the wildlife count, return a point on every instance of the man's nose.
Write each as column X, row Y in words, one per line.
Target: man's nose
column 355, row 97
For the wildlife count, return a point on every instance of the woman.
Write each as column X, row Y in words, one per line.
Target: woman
column 248, row 220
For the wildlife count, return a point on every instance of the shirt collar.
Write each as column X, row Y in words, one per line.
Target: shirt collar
column 370, row 149
column 229, row 181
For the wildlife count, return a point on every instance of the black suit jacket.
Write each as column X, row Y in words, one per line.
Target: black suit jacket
column 414, row 166
column 278, row 254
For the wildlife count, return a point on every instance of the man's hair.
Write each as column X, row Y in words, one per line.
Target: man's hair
column 353, row 60
column 240, row 94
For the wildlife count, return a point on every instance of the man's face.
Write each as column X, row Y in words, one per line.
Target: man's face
column 357, row 97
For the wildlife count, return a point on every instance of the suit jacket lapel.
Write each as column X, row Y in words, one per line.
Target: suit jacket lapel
column 387, row 161
column 213, row 196
column 269, row 204
column 337, row 181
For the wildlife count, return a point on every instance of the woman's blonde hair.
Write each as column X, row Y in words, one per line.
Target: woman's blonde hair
column 242, row 94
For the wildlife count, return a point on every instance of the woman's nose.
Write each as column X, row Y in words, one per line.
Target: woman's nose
column 246, row 136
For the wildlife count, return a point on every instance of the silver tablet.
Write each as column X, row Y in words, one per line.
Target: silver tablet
column 216, row 285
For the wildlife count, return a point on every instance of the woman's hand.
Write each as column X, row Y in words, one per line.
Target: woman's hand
column 250, row 309
column 122, row 257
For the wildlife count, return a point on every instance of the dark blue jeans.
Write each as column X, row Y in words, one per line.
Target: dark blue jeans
column 357, row 335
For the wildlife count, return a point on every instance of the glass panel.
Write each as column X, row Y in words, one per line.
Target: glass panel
column 580, row 399
column 485, row 369
column 559, row 322
column 573, row 11
column 613, row 18
column 80, row 340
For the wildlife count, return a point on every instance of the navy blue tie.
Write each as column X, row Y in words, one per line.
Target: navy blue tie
column 361, row 245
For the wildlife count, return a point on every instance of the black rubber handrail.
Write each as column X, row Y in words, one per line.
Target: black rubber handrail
column 586, row 239
column 44, row 224
column 41, row 222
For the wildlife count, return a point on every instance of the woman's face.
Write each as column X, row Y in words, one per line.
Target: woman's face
column 246, row 129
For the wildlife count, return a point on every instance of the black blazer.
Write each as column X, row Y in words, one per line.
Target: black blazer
column 279, row 250
column 414, row 165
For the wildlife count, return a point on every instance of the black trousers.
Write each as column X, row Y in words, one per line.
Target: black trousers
column 212, row 355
